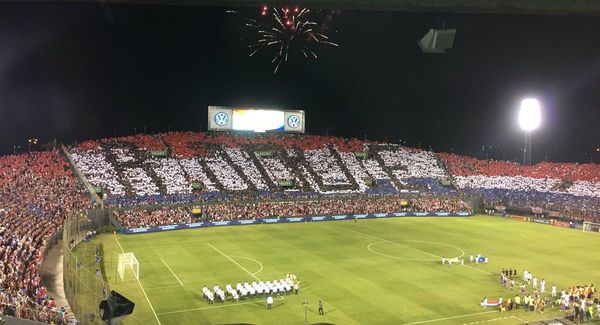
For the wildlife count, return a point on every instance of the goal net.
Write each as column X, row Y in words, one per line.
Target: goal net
column 128, row 267
column 591, row 226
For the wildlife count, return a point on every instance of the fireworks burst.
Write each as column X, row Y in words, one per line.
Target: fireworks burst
column 288, row 30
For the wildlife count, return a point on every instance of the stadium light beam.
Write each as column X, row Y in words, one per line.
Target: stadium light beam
column 530, row 118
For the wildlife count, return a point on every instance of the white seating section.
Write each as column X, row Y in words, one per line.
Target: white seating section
column 324, row 170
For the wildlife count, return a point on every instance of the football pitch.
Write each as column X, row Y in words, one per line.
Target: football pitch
column 378, row 271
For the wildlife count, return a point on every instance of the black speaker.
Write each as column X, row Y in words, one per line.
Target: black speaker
column 437, row 40
column 115, row 308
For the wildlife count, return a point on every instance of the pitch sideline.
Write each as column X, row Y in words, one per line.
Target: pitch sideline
column 451, row 317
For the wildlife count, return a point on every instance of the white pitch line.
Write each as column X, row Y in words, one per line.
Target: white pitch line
column 164, row 287
column 418, row 250
column 175, row 275
column 212, row 307
column 396, row 257
column 476, row 269
column 518, row 318
column 391, row 241
column 236, row 263
column 141, row 287
column 453, row 317
column 255, row 261
column 494, row 320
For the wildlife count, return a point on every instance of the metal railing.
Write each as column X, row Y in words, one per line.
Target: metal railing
column 84, row 277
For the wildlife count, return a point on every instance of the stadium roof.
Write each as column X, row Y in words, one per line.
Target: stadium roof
column 546, row 7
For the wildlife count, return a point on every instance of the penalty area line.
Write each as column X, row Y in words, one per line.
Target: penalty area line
column 452, row 317
column 141, row 287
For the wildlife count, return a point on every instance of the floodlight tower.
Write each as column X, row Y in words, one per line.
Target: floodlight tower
column 529, row 120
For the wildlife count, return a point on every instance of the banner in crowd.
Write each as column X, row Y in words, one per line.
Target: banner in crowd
column 285, row 183
column 558, row 223
column 536, row 210
column 265, row 153
column 159, row 154
column 544, row 221
column 293, row 219
column 360, row 154
column 518, row 218
column 445, row 182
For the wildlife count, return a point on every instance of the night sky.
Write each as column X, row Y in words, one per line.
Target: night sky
column 80, row 71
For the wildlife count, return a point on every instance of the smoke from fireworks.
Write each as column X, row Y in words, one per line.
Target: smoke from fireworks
column 288, row 30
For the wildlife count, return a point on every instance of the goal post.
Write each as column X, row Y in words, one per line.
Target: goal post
column 128, row 267
column 591, row 226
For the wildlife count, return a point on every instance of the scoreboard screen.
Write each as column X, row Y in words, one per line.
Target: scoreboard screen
column 222, row 118
column 257, row 120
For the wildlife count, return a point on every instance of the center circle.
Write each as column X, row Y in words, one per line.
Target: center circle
column 250, row 259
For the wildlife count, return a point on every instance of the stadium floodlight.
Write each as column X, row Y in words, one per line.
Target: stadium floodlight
column 530, row 116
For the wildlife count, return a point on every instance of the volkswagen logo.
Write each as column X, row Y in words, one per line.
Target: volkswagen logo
column 221, row 119
column 293, row 121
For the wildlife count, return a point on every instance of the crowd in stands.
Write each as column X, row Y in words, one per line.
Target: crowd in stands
column 232, row 165
column 37, row 192
column 156, row 217
column 265, row 209
column 568, row 189
column 241, row 177
column 468, row 166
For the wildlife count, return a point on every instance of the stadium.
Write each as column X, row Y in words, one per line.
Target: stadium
column 279, row 197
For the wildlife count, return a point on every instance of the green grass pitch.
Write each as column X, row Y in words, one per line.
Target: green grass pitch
column 379, row 271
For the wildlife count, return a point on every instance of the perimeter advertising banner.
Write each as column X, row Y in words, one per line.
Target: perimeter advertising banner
column 222, row 118
column 292, row 219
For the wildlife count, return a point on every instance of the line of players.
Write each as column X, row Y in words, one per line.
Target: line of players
column 508, row 276
column 241, row 291
column 579, row 299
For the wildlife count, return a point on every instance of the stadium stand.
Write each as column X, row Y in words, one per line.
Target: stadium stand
column 231, row 167
column 135, row 218
column 568, row 189
column 37, row 192
column 245, row 177
column 260, row 166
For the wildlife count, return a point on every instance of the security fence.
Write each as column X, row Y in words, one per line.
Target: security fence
column 84, row 277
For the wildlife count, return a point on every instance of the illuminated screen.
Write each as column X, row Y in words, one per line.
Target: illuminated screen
column 257, row 120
